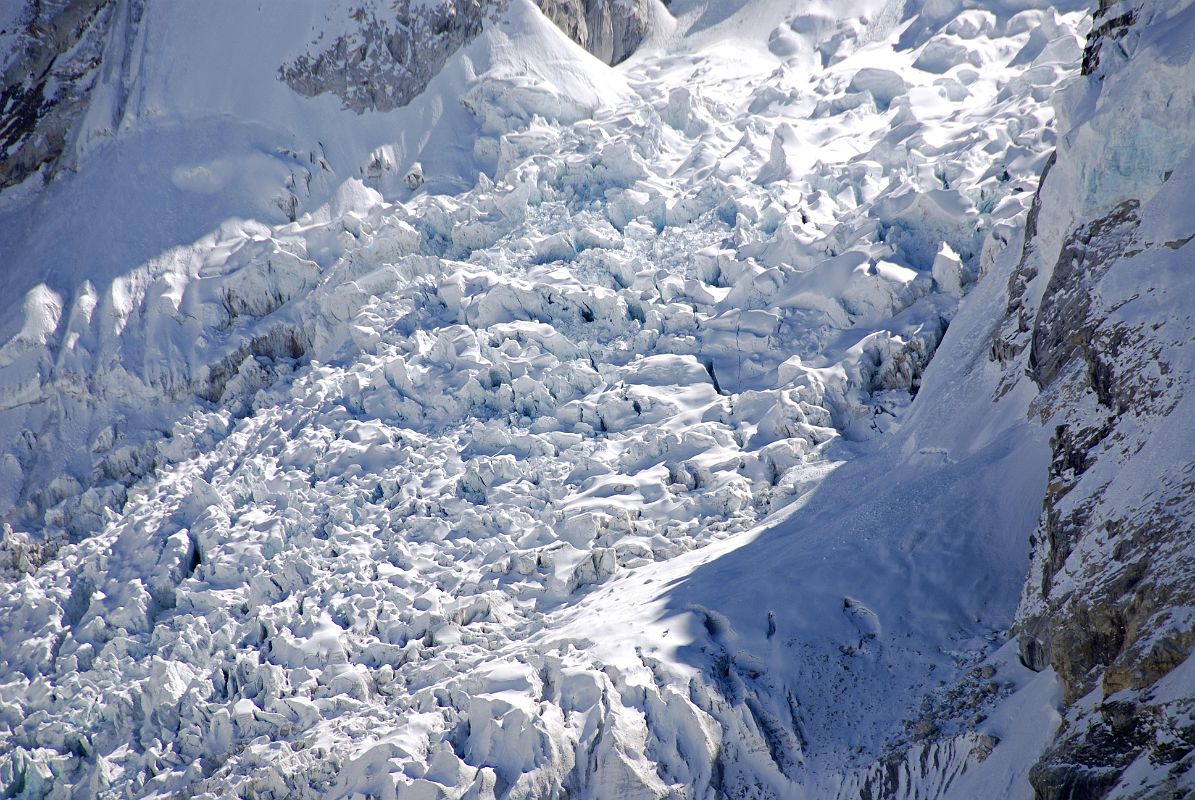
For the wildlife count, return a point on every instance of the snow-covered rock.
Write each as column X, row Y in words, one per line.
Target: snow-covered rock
column 1102, row 288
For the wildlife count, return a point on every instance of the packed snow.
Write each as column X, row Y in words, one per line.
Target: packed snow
column 563, row 444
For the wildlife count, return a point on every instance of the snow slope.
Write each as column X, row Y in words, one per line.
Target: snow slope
column 590, row 466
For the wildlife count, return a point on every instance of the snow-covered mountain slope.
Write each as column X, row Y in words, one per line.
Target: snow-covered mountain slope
column 601, row 456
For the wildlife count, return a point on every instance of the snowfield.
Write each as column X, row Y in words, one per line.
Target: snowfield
column 582, row 461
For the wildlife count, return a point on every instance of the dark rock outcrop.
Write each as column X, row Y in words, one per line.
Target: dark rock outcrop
column 46, row 79
column 1112, row 23
column 385, row 61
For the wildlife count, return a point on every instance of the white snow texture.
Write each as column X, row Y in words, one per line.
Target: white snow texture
column 578, row 438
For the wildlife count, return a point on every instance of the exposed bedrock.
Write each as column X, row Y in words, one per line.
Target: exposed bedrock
column 50, row 62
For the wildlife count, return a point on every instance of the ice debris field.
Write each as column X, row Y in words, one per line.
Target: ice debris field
column 584, row 465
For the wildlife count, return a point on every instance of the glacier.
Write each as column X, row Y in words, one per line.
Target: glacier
column 748, row 419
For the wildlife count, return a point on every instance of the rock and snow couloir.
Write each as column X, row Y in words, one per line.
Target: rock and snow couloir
column 610, row 459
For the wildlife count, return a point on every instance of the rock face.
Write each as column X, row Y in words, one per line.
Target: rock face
column 610, row 29
column 387, row 55
column 1096, row 317
column 52, row 53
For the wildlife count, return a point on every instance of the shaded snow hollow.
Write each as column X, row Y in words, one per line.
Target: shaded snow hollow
column 589, row 465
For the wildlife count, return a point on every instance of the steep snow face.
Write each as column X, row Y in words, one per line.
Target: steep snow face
column 388, row 53
column 582, row 459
